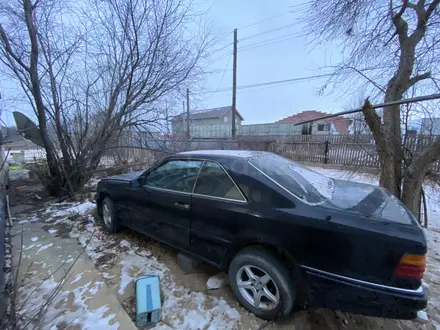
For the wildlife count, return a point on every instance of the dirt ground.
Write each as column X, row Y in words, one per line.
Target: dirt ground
column 26, row 195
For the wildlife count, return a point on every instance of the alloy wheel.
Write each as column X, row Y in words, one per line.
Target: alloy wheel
column 257, row 287
column 106, row 215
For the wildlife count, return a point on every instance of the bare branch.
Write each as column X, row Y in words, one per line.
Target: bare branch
column 8, row 49
column 400, row 24
column 35, row 4
column 416, row 79
column 367, row 78
column 402, row 9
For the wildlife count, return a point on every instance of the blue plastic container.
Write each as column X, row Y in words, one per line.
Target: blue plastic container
column 148, row 305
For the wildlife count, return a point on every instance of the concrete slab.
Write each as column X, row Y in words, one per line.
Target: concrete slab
column 55, row 272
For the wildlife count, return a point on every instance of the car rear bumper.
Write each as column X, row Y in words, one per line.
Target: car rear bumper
column 337, row 292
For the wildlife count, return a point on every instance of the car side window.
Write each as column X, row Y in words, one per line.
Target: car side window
column 214, row 181
column 178, row 175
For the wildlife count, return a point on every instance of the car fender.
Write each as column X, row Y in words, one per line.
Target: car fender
column 248, row 238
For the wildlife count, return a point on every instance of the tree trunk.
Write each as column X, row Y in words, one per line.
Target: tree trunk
column 387, row 174
column 54, row 170
column 393, row 136
column 412, row 187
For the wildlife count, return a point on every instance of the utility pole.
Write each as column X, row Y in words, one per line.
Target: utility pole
column 188, row 135
column 234, row 85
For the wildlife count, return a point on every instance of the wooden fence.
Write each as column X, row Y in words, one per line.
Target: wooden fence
column 351, row 150
column 348, row 150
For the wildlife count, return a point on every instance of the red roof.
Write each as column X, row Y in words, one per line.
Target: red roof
column 341, row 123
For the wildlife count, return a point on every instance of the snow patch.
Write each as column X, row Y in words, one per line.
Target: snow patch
column 217, row 281
column 96, row 287
column 422, row 317
column 125, row 244
column 77, row 208
column 44, row 247
column 77, row 278
column 52, row 231
column 34, row 239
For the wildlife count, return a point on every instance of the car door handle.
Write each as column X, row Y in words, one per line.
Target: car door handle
column 181, row 206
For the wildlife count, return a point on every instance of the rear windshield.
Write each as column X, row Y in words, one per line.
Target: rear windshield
column 305, row 184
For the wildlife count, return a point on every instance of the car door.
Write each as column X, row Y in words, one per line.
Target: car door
column 217, row 208
column 160, row 206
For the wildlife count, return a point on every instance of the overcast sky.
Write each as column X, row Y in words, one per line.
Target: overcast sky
column 290, row 55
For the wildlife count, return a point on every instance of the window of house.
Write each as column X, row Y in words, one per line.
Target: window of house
column 214, row 181
column 178, row 175
column 225, row 119
column 321, row 127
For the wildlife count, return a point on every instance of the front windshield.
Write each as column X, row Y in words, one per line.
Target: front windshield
column 305, row 184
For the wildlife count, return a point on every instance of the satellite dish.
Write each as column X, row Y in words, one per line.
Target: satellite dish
column 28, row 129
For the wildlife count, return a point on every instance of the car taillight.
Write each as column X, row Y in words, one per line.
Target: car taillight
column 411, row 266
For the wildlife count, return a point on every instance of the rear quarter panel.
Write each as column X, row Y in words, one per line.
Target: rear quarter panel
column 345, row 245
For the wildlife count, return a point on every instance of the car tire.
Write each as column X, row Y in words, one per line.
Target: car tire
column 111, row 221
column 262, row 263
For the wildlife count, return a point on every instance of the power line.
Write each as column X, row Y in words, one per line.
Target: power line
column 285, row 81
column 276, row 82
column 220, row 57
column 268, row 42
column 291, row 11
column 221, row 80
column 217, row 50
column 262, row 43
column 265, row 20
column 224, row 35
column 267, row 87
column 257, row 34
column 269, row 31
column 269, row 83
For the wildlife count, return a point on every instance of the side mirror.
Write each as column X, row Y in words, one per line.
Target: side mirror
column 137, row 182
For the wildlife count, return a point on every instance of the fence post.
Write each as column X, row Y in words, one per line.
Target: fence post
column 326, row 144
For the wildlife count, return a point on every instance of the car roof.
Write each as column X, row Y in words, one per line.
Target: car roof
column 223, row 153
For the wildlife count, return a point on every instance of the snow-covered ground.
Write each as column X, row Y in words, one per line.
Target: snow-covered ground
column 181, row 308
column 121, row 261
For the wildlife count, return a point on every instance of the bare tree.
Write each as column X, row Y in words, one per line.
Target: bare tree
column 95, row 69
column 392, row 46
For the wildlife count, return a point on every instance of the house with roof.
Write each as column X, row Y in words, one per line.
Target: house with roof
column 430, row 126
column 206, row 124
column 333, row 125
column 17, row 148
